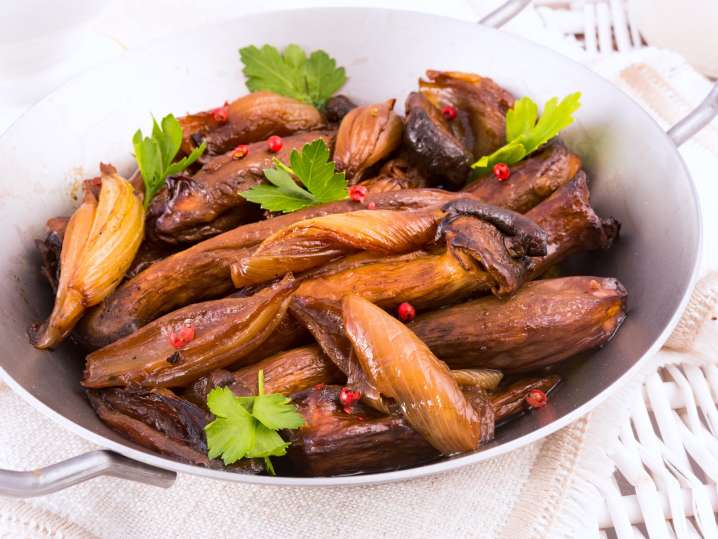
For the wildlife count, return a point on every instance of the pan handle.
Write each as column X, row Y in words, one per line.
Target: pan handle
column 504, row 13
column 79, row 469
column 697, row 119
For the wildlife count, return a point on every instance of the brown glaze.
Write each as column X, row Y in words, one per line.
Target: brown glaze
column 251, row 118
column 434, row 280
column 189, row 208
column 545, row 322
column 531, row 181
column 226, row 331
column 203, row 270
column 311, row 243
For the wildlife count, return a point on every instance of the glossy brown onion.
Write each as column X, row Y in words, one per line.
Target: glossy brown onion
column 531, row 180
column 403, row 368
column 431, row 281
column 544, row 323
column 333, row 442
column 226, row 330
column 250, row 118
column 194, row 208
column 481, row 106
column 286, row 372
column 99, row 244
column 394, row 175
column 203, row 270
column 366, row 135
column 313, row 242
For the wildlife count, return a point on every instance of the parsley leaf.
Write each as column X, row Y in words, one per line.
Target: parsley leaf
column 312, row 167
column 276, row 412
column 312, row 79
column 155, row 154
column 246, row 427
column 524, row 134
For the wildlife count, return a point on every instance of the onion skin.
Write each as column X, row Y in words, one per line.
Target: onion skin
column 402, row 367
column 314, row 242
column 311, row 243
column 203, row 270
column 251, row 118
column 367, row 135
column 226, row 331
column 479, row 378
column 101, row 240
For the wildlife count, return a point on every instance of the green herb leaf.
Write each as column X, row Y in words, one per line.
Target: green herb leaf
column 232, row 433
column 246, row 427
column 276, row 412
column 524, row 134
column 155, row 154
column 521, row 118
column 313, row 169
column 323, row 77
column 291, row 73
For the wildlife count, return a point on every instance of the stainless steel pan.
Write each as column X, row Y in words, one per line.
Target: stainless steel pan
column 637, row 176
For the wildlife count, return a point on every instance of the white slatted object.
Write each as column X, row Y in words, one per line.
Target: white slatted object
column 665, row 480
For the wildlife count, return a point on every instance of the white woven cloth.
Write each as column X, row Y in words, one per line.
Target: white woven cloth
column 542, row 490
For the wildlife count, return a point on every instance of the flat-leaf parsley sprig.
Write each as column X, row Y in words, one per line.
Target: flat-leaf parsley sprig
column 525, row 134
column 312, row 167
column 246, row 427
column 155, row 154
column 313, row 79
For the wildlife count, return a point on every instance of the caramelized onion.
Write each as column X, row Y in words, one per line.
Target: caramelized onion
column 99, row 244
column 250, row 118
column 367, row 135
column 403, row 368
column 313, row 242
column 226, row 330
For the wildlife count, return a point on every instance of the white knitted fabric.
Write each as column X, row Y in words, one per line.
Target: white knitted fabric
column 539, row 491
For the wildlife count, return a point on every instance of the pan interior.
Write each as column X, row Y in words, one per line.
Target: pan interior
column 636, row 176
